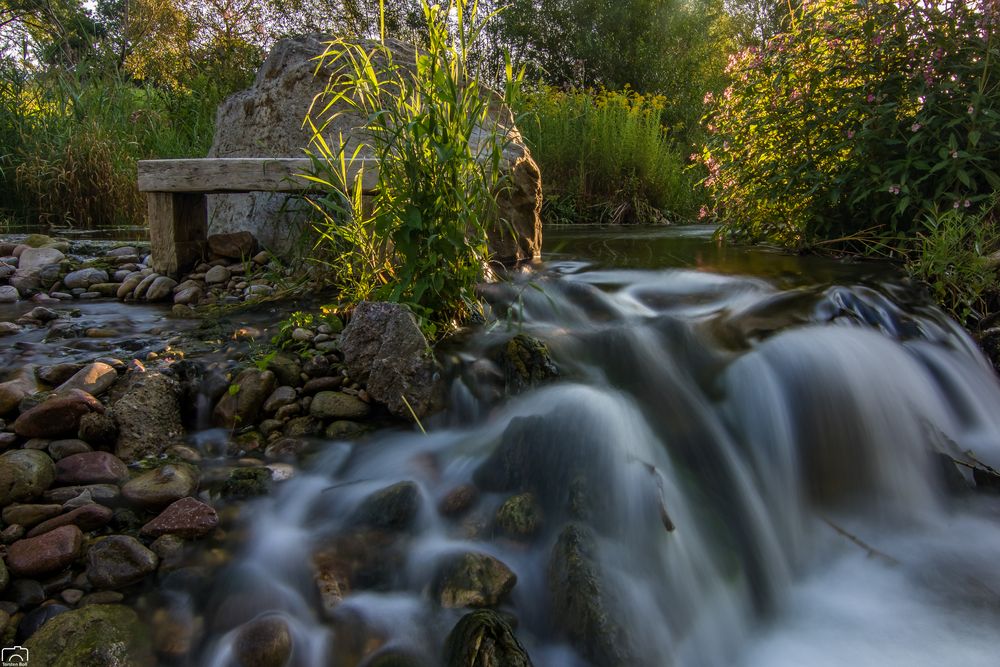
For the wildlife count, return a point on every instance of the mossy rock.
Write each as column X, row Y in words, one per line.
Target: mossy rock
column 93, row 636
column 38, row 240
column 484, row 639
column 520, row 516
column 246, row 483
column 526, row 363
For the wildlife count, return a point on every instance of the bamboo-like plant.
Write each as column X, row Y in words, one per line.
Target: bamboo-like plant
column 438, row 137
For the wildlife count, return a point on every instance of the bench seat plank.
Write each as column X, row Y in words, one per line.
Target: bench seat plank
column 233, row 175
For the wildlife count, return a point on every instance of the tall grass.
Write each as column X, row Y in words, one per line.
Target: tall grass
column 70, row 142
column 606, row 158
column 438, row 136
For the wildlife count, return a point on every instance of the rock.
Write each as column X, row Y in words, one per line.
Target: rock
column 519, row 516
column 107, row 290
column 25, row 593
column 98, row 429
column 161, row 289
column 57, row 374
column 13, row 391
column 45, row 553
column 86, row 518
column 188, row 295
column 85, row 278
column 328, row 383
column 127, row 288
column 160, row 487
column 263, row 642
column 458, row 501
column 288, row 448
column 241, row 405
column 217, row 275
column 170, row 550
column 483, row 638
column 105, row 494
column 286, row 368
column 337, row 405
column 237, row 245
column 302, row 427
column 30, row 515
column 60, row 449
column 144, row 285
column 35, row 619
column 9, row 328
column 148, row 414
column 38, row 240
column 9, row 294
column 583, row 605
column 118, row 561
column 246, row 483
column 526, row 363
column 96, row 635
column 187, row 517
column 4, row 580
column 343, row 429
column 175, row 630
column 58, row 416
column 472, row 579
column 266, row 121
column 24, row 474
column 385, row 350
column 393, row 508
column 91, row 468
column 33, row 260
column 280, row 397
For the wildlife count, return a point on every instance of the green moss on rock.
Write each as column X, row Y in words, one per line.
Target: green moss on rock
column 92, row 636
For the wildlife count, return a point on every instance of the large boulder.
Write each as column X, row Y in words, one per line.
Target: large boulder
column 484, row 638
column 385, row 350
column 148, row 414
column 266, row 121
column 96, row 635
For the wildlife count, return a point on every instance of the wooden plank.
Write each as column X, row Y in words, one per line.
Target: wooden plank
column 222, row 175
column 178, row 225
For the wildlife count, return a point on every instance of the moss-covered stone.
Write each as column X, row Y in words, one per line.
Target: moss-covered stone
column 526, row 363
column 246, row 483
column 92, row 636
column 484, row 639
column 520, row 516
column 583, row 605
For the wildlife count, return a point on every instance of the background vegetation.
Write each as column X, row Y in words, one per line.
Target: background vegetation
column 865, row 127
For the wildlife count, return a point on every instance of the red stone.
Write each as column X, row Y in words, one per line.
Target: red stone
column 91, row 468
column 186, row 517
column 88, row 517
column 45, row 553
column 57, row 416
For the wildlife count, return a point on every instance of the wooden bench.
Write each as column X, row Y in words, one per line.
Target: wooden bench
column 176, row 205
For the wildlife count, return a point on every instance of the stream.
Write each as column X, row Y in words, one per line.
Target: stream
column 747, row 450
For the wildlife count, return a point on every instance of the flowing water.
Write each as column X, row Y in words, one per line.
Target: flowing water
column 756, row 440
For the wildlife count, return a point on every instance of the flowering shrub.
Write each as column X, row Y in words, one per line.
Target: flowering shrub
column 858, row 122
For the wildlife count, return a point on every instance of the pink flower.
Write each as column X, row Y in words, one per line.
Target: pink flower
column 709, row 97
column 915, row 127
column 870, row 98
column 877, row 41
column 850, row 134
column 894, row 189
column 702, row 213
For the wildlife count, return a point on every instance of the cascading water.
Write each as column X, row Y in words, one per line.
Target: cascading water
column 730, row 470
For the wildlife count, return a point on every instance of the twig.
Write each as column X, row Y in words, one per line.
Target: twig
column 413, row 414
column 872, row 551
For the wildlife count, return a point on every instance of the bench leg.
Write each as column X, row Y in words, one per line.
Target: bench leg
column 178, row 225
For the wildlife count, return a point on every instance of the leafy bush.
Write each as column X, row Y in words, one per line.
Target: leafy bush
column 858, row 122
column 421, row 240
column 606, row 158
column 953, row 259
